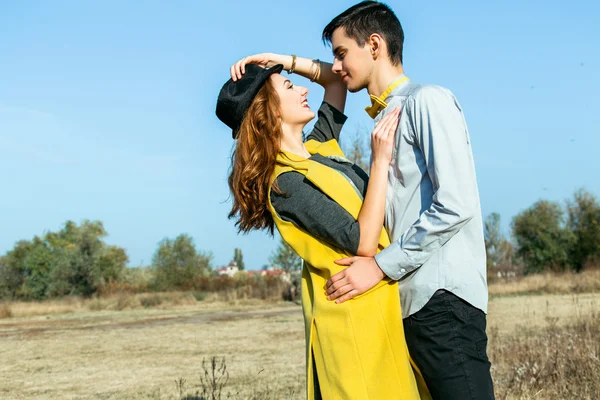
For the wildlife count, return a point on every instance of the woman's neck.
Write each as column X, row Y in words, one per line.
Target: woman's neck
column 291, row 141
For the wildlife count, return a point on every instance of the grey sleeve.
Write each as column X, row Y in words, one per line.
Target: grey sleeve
column 329, row 124
column 313, row 211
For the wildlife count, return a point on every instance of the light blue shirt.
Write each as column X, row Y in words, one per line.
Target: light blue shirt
column 433, row 215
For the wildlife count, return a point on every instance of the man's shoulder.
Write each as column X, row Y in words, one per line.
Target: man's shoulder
column 414, row 90
column 418, row 96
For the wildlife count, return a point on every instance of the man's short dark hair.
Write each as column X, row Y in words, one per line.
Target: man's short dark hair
column 366, row 18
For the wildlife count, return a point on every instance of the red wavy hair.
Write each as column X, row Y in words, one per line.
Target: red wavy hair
column 253, row 161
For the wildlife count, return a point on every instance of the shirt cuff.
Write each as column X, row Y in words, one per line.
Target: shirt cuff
column 394, row 262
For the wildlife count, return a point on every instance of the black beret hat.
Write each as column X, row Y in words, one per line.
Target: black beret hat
column 236, row 97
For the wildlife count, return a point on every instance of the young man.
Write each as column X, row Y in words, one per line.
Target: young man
column 433, row 213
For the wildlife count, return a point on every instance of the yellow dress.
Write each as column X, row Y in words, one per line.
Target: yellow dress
column 359, row 348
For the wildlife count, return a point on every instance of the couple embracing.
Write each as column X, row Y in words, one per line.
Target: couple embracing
column 394, row 289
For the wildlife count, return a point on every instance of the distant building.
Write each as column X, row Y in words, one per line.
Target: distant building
column 284, row 276
column 230, row 270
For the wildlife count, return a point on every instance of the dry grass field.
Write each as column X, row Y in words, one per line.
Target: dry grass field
column 152, row 346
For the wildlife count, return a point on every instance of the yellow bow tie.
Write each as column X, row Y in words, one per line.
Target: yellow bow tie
column 378, row 102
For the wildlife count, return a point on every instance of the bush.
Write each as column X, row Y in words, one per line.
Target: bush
column 5, row 311
column 125, row 300
column 584, row 223
column 542, row 238
column 72, row 261
column 199, row 296
column 151, row 301
column 558, row 362
column 177, row 263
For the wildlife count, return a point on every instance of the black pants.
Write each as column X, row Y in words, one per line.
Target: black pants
column 447, row 341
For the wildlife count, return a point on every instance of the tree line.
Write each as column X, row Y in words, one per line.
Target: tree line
column 548, row 236
column 77, row 261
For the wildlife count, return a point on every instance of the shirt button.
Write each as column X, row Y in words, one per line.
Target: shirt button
column 403, row 270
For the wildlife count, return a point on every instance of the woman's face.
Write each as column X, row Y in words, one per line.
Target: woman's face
column 292, row 98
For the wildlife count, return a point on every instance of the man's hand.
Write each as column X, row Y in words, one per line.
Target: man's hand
column 362, row 274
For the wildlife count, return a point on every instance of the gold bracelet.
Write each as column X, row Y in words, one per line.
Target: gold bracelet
column 293, row 68
column 317, row 74
column 320, row 69
column 310, row 73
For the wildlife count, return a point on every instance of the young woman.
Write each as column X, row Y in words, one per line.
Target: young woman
column 326, row 208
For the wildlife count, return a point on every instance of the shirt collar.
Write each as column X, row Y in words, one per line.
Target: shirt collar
column 378, row 102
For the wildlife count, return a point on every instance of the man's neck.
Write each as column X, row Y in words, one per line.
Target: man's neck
column 383, row 77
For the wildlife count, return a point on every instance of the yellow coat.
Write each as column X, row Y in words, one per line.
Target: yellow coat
column 359, row 347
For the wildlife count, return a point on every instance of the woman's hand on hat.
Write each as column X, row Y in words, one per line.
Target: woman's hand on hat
column 264, row 60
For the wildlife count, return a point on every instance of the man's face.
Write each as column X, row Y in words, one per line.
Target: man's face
column 352, row 62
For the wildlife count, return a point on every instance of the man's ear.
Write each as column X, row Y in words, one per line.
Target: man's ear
column 376, row 45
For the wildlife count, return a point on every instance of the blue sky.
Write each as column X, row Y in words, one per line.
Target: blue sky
column 107, row 108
